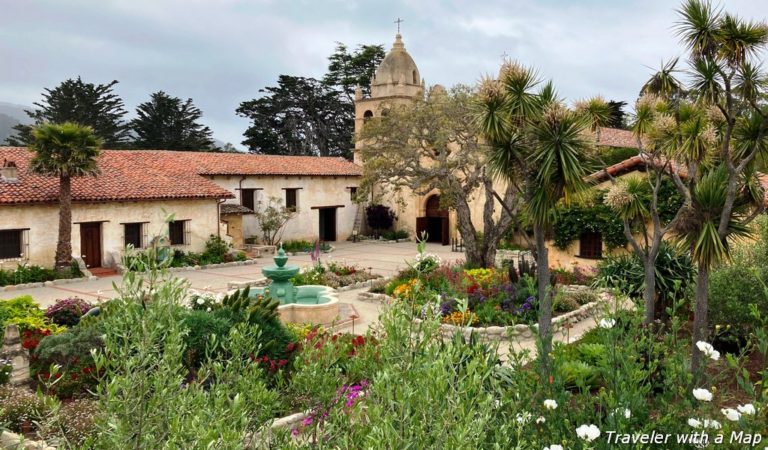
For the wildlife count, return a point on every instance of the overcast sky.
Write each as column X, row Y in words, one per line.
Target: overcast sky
column 221, row 52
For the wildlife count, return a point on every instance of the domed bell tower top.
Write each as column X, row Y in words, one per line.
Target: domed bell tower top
column 397, row 75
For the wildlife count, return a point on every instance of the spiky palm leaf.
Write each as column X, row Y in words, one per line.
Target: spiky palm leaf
column 557, row 159
column 698, row 230
column 663, row 83
column 698, row 28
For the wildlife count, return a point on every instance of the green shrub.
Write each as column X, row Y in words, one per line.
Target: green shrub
column 297, row 246
column 202, row 326
column 577, row 374
column 675, row 273
column 564, row 303
column 731, row 290
column 36, row 274
column 72, row 351
column 19, row 307
column 393, row 235
column 20, row 408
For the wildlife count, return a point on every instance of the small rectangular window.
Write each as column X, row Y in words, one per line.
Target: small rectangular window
column 134, row 235
column 591, row 245
column 11, row 244
column 248, row 198
column 178, row 232
column 291, row 198
column 353, row 193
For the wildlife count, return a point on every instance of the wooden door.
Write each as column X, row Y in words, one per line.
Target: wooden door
column 422, row 223
column 90, row 244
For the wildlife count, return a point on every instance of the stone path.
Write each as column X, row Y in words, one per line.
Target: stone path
column 378, row 257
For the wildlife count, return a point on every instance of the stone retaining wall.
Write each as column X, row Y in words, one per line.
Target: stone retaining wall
column 584, row 312
column 248, row 262
column 13, row 441
column 58, row 282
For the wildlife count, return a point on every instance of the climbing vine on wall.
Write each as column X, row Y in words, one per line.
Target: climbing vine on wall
column 577, row 219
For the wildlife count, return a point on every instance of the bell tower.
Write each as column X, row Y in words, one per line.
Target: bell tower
column 397, row 80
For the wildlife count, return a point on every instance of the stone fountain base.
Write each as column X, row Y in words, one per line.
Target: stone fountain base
column 322, row 314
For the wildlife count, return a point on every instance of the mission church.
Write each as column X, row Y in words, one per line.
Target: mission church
column 215, row 193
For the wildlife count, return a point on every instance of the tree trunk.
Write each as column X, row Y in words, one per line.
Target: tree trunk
column 64, row 245
column 545, row 301
column 649, row 296
column 489, row 255
column 700, row 325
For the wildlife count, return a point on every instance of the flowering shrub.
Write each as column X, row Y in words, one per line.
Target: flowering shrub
column 63, row 364
column 20, row 409
column 583, row 276
column 204, row 301
column 67, row 311
column 30, row 339
column 332, row 274
column 73, row 424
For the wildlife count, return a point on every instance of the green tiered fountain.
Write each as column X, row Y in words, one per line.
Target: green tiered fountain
column 281, row 287
column 303, row 304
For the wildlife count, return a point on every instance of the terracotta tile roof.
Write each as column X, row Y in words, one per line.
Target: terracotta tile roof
column 160, row 174
column 614, row 137
column 636, row 162
column 234, row 209
column 124, row 176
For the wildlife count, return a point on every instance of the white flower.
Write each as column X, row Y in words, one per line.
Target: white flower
column 607, row 323
column 702, row 395
column 627, row 413
column 747, row 409
column 695, row 423
column 200, row 300
column 541, row 419
column 554, row 447
column 714, row 424
column 708, row 350
column 731, row 414
column 550, row 404
column 524, row 418
column 588, row 432
column 208, row 309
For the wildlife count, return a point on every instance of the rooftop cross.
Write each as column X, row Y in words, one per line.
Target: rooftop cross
column 398, row 22
column 504, row 55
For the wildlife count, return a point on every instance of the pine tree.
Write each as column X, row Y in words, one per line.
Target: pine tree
column 168, row 123
column 88, row 104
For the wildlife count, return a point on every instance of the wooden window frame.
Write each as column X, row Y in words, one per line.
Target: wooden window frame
column 23, row 238
column 295, row 206
column 185, row 232
column 591, row 245
column 142, row 233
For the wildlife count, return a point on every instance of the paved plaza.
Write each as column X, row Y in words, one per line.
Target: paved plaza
column 378, row 257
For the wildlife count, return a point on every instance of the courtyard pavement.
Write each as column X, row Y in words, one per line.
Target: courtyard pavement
column 378, row 257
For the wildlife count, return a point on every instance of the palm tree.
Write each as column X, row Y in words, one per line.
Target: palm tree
column 539, row 144
column 725, row 78
column 64, row 150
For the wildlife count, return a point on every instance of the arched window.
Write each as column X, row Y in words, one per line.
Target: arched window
column 415, row 78
column 367, row 115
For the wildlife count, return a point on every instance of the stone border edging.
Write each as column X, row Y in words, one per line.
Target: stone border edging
column 584, row 312
column 57, row 282
column 248, row 262
column 322, row 252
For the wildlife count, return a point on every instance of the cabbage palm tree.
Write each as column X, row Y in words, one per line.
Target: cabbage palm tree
column 726, row 79
column 539, row 144
column 65, row 151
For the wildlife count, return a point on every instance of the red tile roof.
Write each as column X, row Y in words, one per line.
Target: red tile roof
column 156, row 174
column 614, row 137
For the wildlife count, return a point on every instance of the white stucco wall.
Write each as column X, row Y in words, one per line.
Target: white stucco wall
column 313, row 192
column 42, row 222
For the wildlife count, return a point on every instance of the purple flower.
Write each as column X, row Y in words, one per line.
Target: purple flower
column 307, row 421
column 294, row 432
column 448, row 306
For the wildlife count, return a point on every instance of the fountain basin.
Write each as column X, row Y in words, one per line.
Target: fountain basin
column 310, row 304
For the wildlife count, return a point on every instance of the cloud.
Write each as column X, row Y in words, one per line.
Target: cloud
column 221, row 53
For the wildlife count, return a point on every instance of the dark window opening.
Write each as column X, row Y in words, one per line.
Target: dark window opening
column 248, row 198
column 133, row 235
column 353, row 193
column 291, row 198
column 367, row 115
column 177, row 232
column 11, row 243
column 591, row 245
column 415, row 79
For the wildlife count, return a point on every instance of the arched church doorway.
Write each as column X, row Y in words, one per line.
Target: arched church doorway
column 434, row 222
